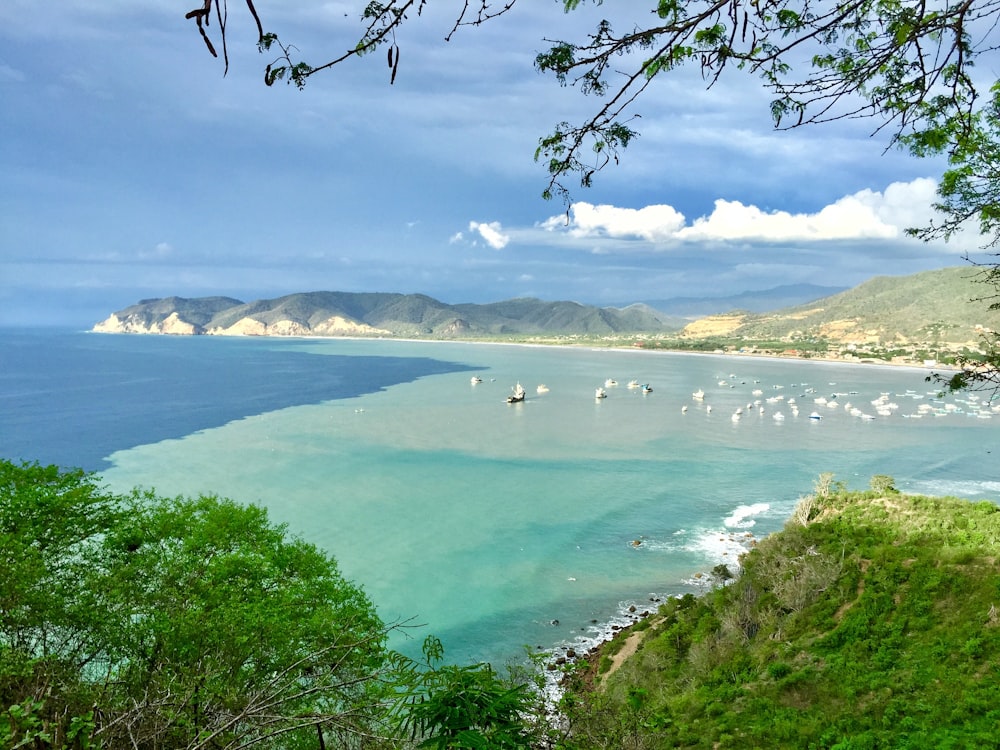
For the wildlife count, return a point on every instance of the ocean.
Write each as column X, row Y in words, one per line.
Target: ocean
column 496, row 527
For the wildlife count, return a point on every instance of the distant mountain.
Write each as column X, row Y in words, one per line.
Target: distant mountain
column 378, row 314
column 930, row 306
column 756, row 301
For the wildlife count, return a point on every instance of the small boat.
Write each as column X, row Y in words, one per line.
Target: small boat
column 647, row 388
column 600, row 393
column 542, row 388
column 475, row 379
column 517, row 396
column 633, row 384
column 815, row 415
column 610, row 383
column 698, row 395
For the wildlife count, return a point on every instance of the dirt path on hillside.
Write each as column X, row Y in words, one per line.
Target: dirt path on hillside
column 628, row 649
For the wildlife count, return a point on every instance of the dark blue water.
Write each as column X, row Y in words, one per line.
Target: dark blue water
column 72, row 398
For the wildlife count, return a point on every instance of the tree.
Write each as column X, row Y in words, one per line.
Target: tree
column 454, row 706
column 51, row 524
column 906, row 64
column 143, row 622
column 240, row 634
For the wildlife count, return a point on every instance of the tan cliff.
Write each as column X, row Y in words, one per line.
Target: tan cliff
column 249, row 326
column 172, row 325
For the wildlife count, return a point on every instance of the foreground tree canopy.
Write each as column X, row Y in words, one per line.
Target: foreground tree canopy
column 908, row 65
column 145, row 622
column 141, row 622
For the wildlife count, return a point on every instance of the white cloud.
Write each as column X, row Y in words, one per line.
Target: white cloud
column 652, row 223
column 848, row 218
column 865, row 215
column 492, row 233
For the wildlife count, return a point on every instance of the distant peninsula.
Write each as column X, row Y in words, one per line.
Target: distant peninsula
column 378, row 315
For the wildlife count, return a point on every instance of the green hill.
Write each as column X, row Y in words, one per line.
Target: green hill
column 870, row 621
column 944, row 305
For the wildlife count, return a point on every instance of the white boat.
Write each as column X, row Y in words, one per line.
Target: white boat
column 542, row 388
column 475, row 379
column 517, row 396
column 610, row 383
column 600, row 393
column 633, row 384
column 815, row 415
column 698, row 395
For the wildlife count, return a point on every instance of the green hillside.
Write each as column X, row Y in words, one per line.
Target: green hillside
column 870, row 621
column 940, row 305
column 199, row 311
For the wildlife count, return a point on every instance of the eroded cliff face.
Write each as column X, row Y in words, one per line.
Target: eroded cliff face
column 335, row 326
column 253, row 327
column 174, row 325
column 338, row 326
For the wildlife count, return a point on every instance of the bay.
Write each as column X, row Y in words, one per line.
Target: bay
column 494, row 526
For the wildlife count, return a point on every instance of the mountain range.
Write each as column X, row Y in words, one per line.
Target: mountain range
column 764, row 300
column 939, row 305
column 378, row 314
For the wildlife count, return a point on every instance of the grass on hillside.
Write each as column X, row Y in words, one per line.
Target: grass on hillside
column 870, row 621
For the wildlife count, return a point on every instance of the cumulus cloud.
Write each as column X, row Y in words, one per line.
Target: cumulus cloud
column 865, row 215
column 652, row 223
column 491, row 233
column 848, row 218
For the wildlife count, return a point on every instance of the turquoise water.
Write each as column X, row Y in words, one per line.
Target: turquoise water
column 497, row 526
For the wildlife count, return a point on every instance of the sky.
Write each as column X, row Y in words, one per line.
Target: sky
column 132, row 166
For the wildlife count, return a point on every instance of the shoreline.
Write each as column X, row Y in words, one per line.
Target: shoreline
column 625, row 624
column 867, row 362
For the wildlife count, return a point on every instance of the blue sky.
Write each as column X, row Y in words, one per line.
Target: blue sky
column 131, row 168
